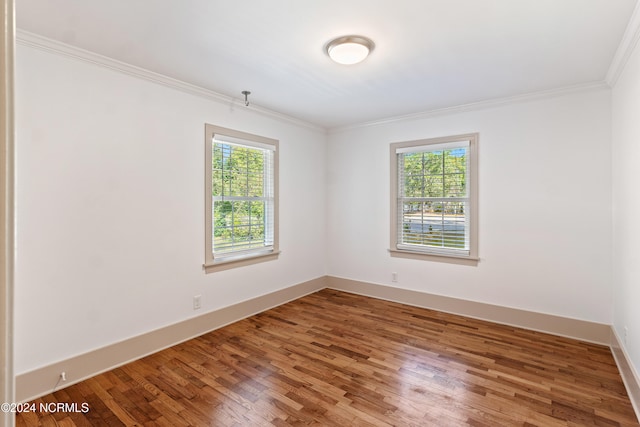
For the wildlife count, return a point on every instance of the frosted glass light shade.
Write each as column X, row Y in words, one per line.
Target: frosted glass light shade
column 349, row 50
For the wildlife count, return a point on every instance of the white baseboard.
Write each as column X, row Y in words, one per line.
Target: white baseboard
column 41, row 381
column 597, row 333
column 629, row 374
column 572, row 328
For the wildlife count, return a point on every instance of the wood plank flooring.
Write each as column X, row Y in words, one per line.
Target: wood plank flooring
column 338, row 359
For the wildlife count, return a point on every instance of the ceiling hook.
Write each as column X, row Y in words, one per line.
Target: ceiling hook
column 246, row 94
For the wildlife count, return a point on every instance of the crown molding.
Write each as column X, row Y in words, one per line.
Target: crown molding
column 630, row 39
column 490, row 103
column 625, row 48
column 46, row 44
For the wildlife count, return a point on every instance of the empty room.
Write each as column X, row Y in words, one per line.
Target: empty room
column 271, row 213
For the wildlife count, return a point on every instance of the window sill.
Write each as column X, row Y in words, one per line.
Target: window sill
column 226, row 264
column 451, row 259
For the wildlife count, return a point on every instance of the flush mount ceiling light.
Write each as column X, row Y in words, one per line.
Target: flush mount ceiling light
column 349, row 49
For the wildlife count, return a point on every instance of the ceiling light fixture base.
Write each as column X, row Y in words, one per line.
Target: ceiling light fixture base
column 349, row 50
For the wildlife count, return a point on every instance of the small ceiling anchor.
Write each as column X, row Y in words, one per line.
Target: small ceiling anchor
column 246, row 94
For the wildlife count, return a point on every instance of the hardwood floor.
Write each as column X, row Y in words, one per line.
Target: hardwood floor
column 338, row 359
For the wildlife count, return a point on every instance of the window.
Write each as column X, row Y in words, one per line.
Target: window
column 241, row 198
column 434, row 189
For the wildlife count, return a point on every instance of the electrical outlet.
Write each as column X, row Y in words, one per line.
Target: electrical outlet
column 394, row 277
column 626, row 332
column 63, row 376
column 197, row 302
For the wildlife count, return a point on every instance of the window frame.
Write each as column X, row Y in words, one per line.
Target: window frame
column 434, row 253
column 246, row 257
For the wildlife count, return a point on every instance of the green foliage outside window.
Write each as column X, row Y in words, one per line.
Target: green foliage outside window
column 435, row 174
column 239, row 194
column 434, row 182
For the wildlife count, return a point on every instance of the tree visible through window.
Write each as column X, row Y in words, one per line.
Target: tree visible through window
column 434, row 200
column 242, row 199
column 434, row 207
column 242, row 203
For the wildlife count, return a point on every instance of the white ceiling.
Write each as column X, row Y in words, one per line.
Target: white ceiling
column 429, row 54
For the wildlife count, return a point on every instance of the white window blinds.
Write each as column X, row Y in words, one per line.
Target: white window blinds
column 242, row 182
column 433, row 198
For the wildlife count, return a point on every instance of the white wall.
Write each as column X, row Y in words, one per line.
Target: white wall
column 110, row 207
column 626, row 207
column 545, row 206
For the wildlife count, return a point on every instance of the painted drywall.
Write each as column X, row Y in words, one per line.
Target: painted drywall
column 544, row 200
column 110, row 207
column 626, row 207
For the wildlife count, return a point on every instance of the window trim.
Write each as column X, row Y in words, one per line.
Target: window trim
column 228, row 261
column 433, row 255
